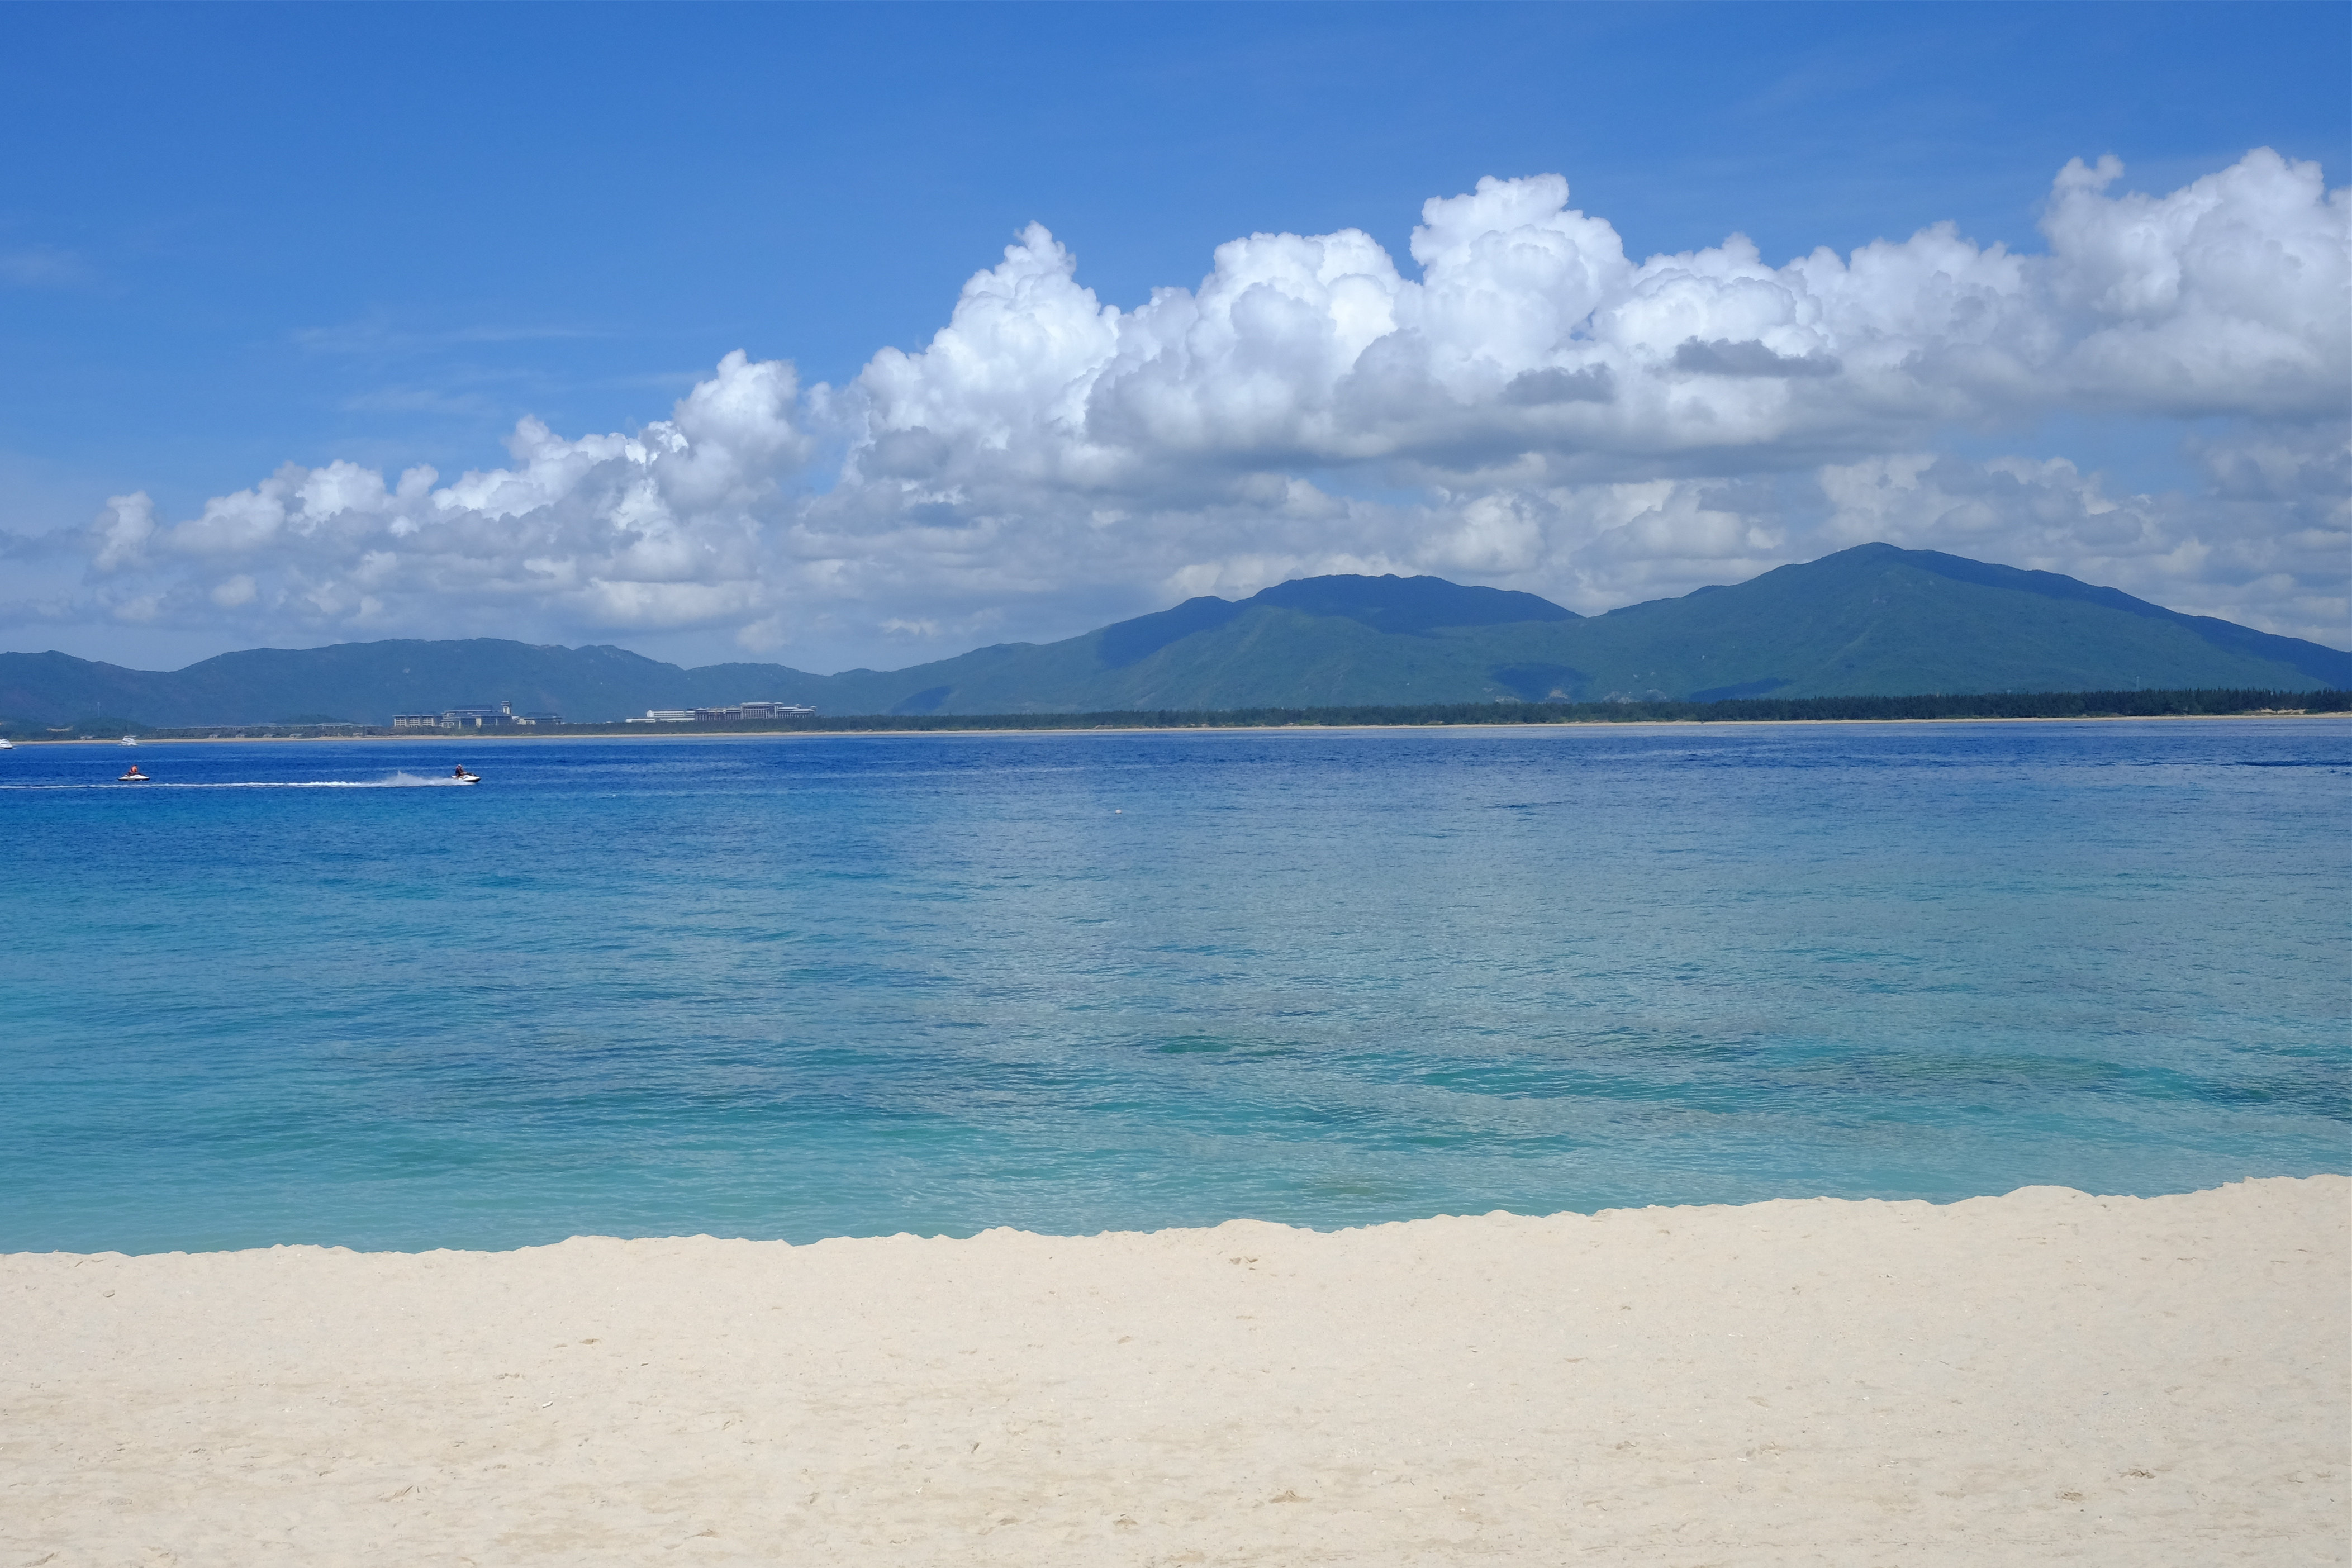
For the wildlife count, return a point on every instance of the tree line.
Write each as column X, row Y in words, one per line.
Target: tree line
column 2212, row 703
column 1744, row 710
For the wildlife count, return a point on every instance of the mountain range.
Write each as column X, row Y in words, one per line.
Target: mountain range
column 1873, row 620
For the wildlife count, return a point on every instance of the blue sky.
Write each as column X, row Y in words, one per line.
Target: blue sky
column 233, row 238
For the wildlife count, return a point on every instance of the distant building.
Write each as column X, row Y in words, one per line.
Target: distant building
column 724, row 715
column 752, row 710
column 502, row 716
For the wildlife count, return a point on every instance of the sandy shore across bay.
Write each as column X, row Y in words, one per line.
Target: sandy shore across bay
column 1598, row 726
column 2042, row 1377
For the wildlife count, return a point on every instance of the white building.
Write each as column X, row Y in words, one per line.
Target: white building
column 502, row 716
column 724, row 715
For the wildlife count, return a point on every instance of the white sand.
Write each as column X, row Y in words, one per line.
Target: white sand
column 2044, row 1377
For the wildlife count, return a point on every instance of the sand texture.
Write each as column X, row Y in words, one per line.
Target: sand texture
column 2044, row 1377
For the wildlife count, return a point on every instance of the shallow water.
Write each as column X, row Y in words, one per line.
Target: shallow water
column 809, row 987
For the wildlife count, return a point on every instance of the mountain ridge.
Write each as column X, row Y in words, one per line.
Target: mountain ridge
column 1872, row 620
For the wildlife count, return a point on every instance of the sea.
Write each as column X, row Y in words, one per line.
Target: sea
column 807, row 986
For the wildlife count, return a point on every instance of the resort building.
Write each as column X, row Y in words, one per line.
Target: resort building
column 502, row 716
column 724, row 715
column 752, row 710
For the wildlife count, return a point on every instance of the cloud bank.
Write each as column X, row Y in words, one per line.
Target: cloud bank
column 1526, row 407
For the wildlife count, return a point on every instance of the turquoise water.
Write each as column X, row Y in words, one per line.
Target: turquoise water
column 809, row 987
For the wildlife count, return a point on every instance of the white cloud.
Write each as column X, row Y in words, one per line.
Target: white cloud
column 120, row 533
column 655, row 530
column 2226, row 296
column 1533, row 409
column 1529, row 337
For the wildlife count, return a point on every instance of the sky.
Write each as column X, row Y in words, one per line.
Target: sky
column 864, row 335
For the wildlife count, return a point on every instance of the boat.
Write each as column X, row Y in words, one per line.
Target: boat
column 133, row 776
column 7, row 744
column 129, row 740
column 459, row 776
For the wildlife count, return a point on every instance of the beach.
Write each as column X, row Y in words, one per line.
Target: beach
column 2040, row 1378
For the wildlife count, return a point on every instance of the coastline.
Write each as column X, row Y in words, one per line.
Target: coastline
column 1596, row 725
column 2043, row 1376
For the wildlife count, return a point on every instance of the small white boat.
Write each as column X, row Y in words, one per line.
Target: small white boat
column 7, row 744
column 129, row 740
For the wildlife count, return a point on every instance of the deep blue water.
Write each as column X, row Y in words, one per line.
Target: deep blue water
column 810, row 986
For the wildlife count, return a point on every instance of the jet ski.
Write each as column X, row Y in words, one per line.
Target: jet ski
column 133, row 776
column 459, row 776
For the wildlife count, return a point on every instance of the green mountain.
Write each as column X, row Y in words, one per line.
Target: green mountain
column 1873, row 620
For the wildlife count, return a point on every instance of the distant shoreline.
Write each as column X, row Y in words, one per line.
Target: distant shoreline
column 713, row 732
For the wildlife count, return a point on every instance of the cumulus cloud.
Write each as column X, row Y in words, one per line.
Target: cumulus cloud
column 2226, row 297
column 1526, row 406
column 1529, row 335
column 122, row 532
column 659, row 529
